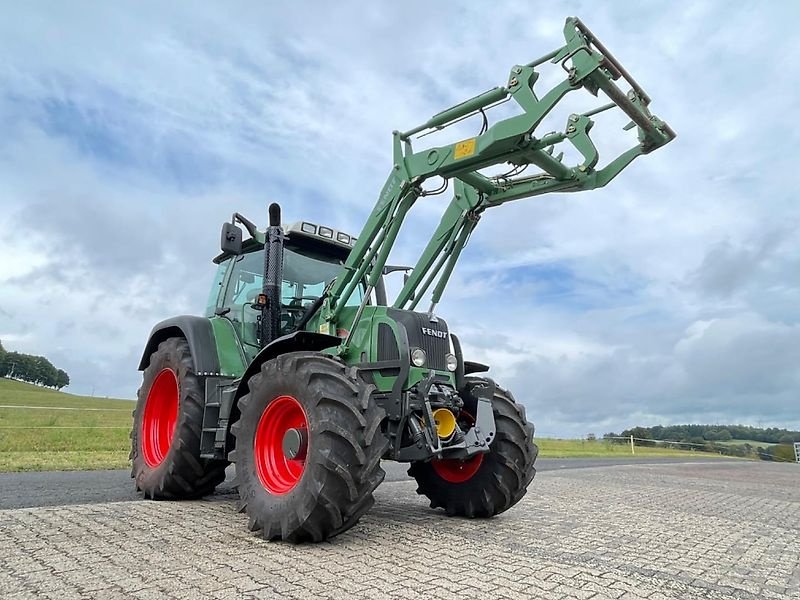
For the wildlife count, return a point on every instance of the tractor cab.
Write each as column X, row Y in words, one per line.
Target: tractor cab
column 312, row 257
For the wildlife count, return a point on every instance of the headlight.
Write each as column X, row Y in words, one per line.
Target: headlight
column 418, row 357
column 451, row 362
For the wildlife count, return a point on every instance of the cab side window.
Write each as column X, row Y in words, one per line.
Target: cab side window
column 215, row 295
column 247, row 280
column 244, row 284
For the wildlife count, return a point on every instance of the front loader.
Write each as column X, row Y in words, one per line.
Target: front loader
column 304, row 375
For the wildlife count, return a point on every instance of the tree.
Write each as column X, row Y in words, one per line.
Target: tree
column 33, row 369
column 736, row 450
column 42, row 371
column 5, row 364
column 783, row 452
column 62, row 379
column 21, row 366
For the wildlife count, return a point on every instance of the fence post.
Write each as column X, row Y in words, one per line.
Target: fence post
column 632, row 450
column 797, row 452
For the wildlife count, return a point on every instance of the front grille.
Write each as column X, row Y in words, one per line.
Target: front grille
column 387, row 343
column 435, row 347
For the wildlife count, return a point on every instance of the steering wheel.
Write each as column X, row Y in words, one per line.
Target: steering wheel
column 296, row 305
column 291, row 313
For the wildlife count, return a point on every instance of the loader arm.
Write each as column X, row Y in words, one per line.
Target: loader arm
column 589, row 66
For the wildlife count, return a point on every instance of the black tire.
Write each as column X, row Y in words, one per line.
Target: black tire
column 504, row 472
column 342, row 457
column 182, row 473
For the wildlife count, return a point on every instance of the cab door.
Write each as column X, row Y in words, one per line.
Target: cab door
column 246, row 281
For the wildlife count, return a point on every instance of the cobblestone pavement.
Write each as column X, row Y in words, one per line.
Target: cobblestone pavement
column 700, row 530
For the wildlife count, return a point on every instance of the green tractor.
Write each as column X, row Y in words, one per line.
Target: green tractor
column 304, row 375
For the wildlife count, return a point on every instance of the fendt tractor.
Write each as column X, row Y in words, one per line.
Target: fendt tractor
column 304, row 375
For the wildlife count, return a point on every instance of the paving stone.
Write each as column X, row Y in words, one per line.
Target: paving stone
column 700, row 530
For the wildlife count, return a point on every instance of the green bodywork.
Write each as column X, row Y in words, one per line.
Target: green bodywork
column 363, row 346
column 233, row 359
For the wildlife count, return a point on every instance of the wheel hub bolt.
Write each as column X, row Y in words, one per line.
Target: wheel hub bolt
column 295, row 443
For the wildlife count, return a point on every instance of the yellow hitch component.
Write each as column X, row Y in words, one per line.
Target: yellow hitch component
column 445, row 423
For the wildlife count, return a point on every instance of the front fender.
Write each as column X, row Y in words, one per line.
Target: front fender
column 294, row 342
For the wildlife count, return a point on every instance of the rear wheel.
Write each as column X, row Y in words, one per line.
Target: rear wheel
column 308, row 448
column 490, row 483
column 165, row 440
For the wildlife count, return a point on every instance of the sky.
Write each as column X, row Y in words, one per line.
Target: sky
column 131, row 131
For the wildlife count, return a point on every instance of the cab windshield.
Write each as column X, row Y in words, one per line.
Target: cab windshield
column 305, row 276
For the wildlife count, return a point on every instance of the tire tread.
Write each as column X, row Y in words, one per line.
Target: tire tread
column 344, row 470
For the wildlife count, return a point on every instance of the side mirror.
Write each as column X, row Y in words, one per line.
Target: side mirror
column 231, row 239
column 393, row 268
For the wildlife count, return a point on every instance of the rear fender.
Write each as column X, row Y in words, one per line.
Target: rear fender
column 198, row 333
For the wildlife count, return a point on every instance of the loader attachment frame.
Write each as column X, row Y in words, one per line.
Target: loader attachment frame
column 588, row 65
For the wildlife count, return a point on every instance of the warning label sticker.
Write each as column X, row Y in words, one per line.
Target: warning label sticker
column 464, row 149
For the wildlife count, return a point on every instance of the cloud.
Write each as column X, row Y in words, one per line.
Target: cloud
column 724, row 370
column 132, row 131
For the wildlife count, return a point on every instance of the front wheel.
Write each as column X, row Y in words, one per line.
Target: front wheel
column 486, row 484
column 308, row 448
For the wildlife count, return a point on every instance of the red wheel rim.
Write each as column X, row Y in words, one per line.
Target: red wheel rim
column 454, row 470
column 160, row 417
column 277, row 472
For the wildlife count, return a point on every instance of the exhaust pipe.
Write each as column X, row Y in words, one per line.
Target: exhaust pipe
column 273, row 277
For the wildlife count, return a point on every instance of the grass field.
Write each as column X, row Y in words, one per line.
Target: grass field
column 753, row 443
column 51, row 438
column 554, row 448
